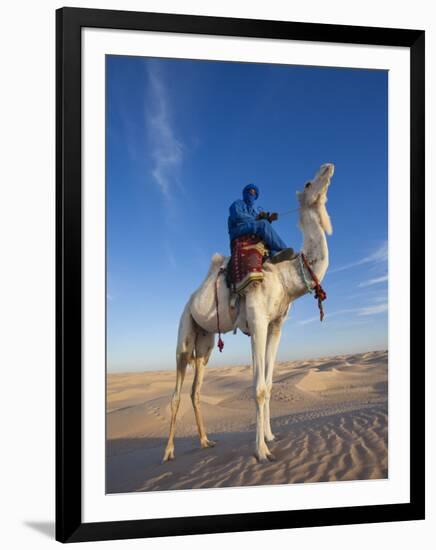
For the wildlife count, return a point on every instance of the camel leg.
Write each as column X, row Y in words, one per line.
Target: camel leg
column 185, row 346
column 182, row 363
column 258, row 329
column 203, row 348
column 273, row 340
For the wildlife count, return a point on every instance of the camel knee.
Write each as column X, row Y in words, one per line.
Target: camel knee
column 183, row 357
column 261, row 393
column 195, row 397
column 175, row 402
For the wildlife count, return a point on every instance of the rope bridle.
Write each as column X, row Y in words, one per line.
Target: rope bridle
column 314, row 287
column 317, row 289
column 289, row 211
column 320, row 293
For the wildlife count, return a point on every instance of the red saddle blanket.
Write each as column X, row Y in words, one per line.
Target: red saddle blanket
column 248, row 253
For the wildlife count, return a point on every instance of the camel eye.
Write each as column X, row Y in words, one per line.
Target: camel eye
column 308, row 184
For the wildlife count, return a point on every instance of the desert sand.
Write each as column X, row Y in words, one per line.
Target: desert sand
column 329, row 415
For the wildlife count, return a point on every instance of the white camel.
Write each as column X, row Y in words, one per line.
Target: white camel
column 261, row 314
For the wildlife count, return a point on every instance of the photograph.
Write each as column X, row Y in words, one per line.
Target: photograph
column 217, row 284
column 246, row 274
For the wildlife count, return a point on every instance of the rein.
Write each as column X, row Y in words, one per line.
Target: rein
column 320, row 293
column 289, row 212
column 220, row 341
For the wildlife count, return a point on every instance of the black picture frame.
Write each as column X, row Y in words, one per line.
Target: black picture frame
column 69, row 525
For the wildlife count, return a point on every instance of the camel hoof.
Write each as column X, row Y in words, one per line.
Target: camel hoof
column 169, row 455
column 265, row 457
column 208, row 443
column 262, row 459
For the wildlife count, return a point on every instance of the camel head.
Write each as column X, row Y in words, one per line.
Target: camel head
column 314, row 195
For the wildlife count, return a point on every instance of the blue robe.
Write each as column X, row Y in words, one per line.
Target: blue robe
column 242, row 221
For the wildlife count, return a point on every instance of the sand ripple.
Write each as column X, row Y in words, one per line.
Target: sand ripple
column 329, row 416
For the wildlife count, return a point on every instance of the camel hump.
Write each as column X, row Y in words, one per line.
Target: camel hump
column 216, row 262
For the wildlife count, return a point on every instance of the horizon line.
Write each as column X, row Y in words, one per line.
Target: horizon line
column 235, row 365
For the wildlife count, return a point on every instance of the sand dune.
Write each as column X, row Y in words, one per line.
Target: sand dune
column 329, row 416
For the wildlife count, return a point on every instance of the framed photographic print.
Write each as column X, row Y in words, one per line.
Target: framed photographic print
column 240, row 309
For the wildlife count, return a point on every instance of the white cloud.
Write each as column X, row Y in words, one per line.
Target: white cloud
column 373, row 310
column 307, row 321
column 379, row 298
column 379, row 255
column 329, row 314
column 374, row 281
column 167, row 150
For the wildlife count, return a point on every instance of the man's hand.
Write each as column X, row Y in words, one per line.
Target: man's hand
column 262, row 216
column 273, row 217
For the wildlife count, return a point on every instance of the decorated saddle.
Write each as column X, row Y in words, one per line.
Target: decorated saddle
column 245, row 265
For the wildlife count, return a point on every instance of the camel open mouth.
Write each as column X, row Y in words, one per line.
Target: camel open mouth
column 325, row 174
column 327, row 171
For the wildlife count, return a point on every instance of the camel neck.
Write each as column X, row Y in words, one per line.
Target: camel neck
column 314, row 242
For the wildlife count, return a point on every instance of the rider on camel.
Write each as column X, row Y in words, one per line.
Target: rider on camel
column 246, row 218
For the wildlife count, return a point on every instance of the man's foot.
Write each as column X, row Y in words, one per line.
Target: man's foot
column 283, row 255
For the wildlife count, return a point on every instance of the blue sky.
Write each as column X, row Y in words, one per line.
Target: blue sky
column 183, row 139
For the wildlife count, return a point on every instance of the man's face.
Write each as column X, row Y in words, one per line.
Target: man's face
column 252, row 191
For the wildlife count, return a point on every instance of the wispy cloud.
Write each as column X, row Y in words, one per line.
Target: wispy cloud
column 379, row 299
column 374, row 281
column 167, row 150
column 330, row 314
column 373, row 309
column 310, row 320
column 378, row 256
